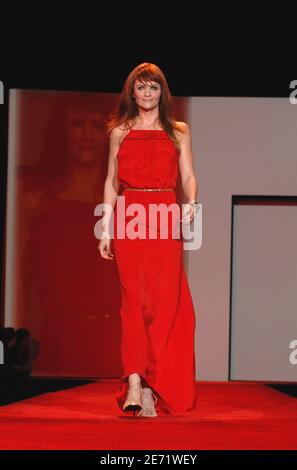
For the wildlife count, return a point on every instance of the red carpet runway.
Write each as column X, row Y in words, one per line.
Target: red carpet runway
column 229, row 415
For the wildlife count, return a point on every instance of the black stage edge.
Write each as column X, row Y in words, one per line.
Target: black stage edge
column 132, row 459
column 34, row 386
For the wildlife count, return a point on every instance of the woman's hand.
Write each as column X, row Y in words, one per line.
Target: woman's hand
column 189, row 212
column 104, row 248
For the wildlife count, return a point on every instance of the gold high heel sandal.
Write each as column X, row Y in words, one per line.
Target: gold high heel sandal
column 134, row 398
column 149, row 400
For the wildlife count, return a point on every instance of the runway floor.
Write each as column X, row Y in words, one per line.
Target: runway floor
column 228, row 415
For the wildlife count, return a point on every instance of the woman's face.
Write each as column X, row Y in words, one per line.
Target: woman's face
column 85, row 135
column 147, row 94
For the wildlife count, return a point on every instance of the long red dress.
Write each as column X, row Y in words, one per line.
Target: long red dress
column 157, row 313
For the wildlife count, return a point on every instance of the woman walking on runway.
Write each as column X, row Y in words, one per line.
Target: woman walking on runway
column 147, row 149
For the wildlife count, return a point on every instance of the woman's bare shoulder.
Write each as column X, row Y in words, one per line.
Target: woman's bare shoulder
column 118, row 133
column 182, row 127
column 182, row 130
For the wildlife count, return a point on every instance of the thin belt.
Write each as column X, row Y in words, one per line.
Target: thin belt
column 150, row 189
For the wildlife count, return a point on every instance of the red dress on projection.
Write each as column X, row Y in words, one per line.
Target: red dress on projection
column 157, row 312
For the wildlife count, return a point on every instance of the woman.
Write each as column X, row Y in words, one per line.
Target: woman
column 158, row 320
column 63, row 290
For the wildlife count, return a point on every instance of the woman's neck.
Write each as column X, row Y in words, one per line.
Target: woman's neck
column 147, row 120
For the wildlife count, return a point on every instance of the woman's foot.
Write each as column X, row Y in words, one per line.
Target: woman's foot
column 134, row 395
column 148, row 403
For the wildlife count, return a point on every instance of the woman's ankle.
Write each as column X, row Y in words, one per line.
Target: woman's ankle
column 134, row 378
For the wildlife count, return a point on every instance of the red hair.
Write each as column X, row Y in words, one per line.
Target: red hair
column 127, row 109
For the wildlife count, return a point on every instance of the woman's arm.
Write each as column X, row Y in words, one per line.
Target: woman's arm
column 186, row 167
column 111, row 185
